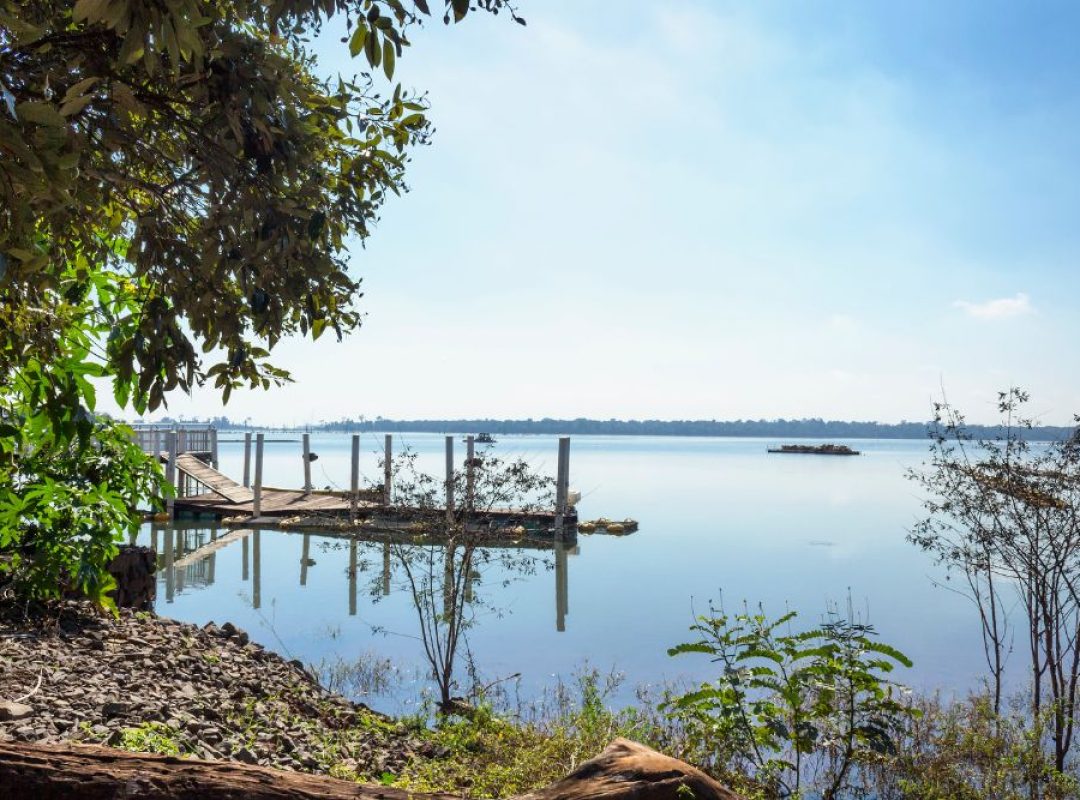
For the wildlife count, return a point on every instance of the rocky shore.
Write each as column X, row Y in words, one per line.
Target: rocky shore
column 147, row 683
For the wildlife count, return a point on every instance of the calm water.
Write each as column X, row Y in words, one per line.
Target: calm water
column 719, row 518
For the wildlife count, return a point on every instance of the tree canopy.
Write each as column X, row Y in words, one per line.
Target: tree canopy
column 178, row 190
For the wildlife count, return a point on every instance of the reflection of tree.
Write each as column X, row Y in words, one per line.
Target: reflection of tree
column 453, row 543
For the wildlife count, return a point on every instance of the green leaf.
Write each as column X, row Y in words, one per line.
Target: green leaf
column 40, row 113
column 388, row 59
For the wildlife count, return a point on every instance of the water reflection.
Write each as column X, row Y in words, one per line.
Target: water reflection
column 188, row 555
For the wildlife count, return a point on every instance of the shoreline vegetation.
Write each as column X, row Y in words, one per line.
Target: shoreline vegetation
column 147, row 684
column 778, row 428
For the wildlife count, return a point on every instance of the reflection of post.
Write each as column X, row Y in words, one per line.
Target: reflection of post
column 562, row 586
column 247, row 459
column 470, row 473
column 170, row 470
column 256, row 503
column 386, row 568
column 213, row 558
column 354, row 484
column 304, row 559
column 448, row 585
column 449, row 478
column 256, row 572
column 307, row 463
column 178, row 552
column 170, row 578
column 562, row 483
column 244, row 562
column 352, row 577
column 388, row 455
column 468, row 582
column 154, row 539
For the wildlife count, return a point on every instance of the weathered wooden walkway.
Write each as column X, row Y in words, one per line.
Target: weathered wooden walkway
column 205, row 491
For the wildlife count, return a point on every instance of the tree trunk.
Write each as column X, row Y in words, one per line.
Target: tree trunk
column 624, row 771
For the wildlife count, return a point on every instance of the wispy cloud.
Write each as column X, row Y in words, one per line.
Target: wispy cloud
column 1001, row 308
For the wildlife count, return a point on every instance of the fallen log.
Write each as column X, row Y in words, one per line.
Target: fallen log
column 624, row 771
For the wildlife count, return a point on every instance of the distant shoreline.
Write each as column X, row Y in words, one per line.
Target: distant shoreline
column 771, row 429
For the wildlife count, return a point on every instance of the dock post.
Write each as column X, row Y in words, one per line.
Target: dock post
column 156, row 443
column 388, row 460
column 247, row 459
column 170, row 470
column 449, row 478
column 183, row 439
column 307, row 463
column 354, row 485
column 213, row 447
column 470, row 472
column 562, row 482
column 256, row 502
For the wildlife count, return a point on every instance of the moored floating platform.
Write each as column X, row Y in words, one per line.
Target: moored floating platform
column 816, row 450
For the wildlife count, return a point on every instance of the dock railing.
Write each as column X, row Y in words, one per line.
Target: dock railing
column 190, row 438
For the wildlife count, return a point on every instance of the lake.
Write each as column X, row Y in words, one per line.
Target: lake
column 719, row 519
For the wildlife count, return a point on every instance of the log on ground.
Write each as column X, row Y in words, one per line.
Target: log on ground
column 624, row 771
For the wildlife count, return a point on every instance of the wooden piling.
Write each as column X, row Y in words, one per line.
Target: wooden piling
column 247, row 460
column 449, row 478
column 354, row 483
column 562, row 482
column 256, row 503
column 170, row 470
column 307, row 462
column 213, row 447
column 388, row 464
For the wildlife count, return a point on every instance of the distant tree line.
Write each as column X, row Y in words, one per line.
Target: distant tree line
column 813, row 428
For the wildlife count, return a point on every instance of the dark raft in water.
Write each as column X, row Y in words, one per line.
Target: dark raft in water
column 816, row 449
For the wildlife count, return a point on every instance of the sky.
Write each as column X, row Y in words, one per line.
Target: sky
column 718, row 210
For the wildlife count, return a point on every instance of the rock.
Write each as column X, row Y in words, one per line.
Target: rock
column 10, row 710
column 245, row 756
column 115, row 709
column 630, row 771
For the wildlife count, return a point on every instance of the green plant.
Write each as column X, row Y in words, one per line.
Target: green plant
column 151, row 737
column 792, row 708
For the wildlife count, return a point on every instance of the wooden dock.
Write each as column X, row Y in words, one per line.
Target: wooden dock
column 203, row 490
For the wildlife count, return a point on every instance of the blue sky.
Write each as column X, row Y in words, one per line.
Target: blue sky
column 719, row 210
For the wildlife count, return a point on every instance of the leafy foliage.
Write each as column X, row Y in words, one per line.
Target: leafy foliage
column 178, row 191
column 1005, row 516
column 789, row 705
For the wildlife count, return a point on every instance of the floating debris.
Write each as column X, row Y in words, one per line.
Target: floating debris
column 608, row 526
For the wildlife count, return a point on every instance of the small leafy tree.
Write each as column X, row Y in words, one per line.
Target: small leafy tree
column 445, row 554
column 1004, row 513
column 792, row 707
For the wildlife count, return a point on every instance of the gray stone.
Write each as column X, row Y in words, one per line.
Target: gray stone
column 10, row 710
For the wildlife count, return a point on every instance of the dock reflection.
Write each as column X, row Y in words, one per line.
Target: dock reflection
column 188, row 554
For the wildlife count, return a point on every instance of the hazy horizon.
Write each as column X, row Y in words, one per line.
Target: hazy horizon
column 698, row 210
